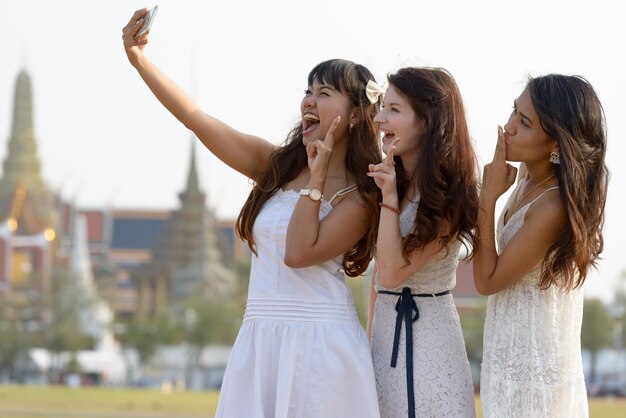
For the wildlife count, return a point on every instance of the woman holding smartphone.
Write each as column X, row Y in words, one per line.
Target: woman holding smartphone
column 311, row 216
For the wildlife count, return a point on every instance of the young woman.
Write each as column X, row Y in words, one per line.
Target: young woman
column 429, row 186
column 548, row 236
column 310, row 217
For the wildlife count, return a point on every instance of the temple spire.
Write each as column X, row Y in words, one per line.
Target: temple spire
column 22, row 169
column 22, row 158
column 21, row 162
column 193, row 185
column 23, row 107
column 188, row 246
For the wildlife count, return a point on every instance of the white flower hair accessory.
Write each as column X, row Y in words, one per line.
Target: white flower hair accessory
column 373, row 91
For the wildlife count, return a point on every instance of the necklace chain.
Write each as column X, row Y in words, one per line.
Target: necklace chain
column 528, row 192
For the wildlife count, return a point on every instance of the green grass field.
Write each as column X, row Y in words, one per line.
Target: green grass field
column 62, row 402
column 57, row 401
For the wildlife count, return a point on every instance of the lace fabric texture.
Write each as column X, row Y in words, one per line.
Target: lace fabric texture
column 442, row 379
column 532, row 364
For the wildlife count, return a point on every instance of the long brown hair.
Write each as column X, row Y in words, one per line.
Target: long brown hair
column 571, row 113
column 290, row 159
column 445, row 172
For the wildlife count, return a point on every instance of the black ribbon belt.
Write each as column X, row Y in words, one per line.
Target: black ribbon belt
column 407, row 309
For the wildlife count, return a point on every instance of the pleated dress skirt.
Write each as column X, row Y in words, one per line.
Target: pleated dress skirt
column 297, row 359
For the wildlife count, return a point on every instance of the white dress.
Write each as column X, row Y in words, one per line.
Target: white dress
column 532, row 365
column 301, row 351
column 442, row 382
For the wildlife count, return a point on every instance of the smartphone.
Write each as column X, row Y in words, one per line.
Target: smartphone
column 147, row 23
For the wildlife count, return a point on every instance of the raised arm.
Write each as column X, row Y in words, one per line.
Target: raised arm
column 245, row 153
column 393, row 269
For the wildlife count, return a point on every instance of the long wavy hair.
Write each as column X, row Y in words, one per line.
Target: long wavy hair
column 291, row 158
column 571, row 113
column 446, row 170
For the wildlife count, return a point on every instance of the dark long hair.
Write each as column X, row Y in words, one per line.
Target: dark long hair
column 571, row 113
column 446, row 174
column 290, row 159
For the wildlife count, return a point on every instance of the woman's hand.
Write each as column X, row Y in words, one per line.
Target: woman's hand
column 384, row 173
column 134, row 47
column 319, row 152
column 498, row 175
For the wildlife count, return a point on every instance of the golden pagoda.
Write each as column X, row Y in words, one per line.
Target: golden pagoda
column 26, row 202
column 27, row 212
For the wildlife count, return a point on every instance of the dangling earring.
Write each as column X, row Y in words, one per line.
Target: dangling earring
column 555, row 158
column 351, row 126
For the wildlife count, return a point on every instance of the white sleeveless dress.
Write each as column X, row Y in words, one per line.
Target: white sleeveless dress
column 442, row 380
column 532, row 365
column 301, row 351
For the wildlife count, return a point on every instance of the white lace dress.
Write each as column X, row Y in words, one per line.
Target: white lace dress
column 301, row 351
column 532, row 364
column 442, row 381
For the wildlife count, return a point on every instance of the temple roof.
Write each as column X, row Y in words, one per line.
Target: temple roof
column 136, row 233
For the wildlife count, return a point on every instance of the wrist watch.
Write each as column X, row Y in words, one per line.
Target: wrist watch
column 314, row 194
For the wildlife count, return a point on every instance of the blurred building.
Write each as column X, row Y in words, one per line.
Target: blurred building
column 142, row 261
column 28, row 215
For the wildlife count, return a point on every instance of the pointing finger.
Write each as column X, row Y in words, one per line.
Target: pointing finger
column 500, row 154
column 329, row 140
column 391, row 152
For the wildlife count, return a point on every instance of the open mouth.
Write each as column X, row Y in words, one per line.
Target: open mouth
column 309, row 123
column 388, row 136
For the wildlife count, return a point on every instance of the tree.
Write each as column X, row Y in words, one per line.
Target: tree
column 597, row 331
column 360, row 288
column 12, row 339
column 242, row 272
column 212, row 320
column 473, row 325
column 620, row 311
column 216, row 321
column 144, row 335
column 63, row 329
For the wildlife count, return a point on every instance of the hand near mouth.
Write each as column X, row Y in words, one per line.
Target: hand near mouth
column 498, row 175
column 384, row 173
column 319, row 151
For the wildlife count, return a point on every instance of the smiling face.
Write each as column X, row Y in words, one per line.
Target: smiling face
column 397, row 119
column 526, row 141
column 320, row 106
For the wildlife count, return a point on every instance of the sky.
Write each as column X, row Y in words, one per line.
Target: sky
column 105, row 141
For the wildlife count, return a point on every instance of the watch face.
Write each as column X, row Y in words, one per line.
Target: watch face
column 315, row 195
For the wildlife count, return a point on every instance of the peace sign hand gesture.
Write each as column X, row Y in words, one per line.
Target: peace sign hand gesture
column 498, row 175
column 318, row 151
column 384, row 173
